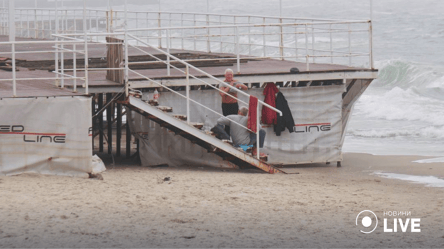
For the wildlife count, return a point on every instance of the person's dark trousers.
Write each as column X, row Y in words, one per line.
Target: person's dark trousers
column 262, row 134
column 229, row 109
column 220, row 132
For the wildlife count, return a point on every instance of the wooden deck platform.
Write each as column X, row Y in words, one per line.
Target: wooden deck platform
column 39, row 65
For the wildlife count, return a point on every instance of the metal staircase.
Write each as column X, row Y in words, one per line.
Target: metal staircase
column 195, row 135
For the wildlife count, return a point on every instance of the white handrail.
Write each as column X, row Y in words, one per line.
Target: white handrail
column 205, row 73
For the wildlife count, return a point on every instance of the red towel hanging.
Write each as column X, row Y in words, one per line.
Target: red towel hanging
column 268, row 115
column 252, row 114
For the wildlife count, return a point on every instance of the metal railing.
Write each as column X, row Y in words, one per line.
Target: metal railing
column 188, row 75
column 306, row 40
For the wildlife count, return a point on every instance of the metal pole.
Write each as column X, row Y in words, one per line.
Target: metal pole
column 168, row 52
column 349, row 45
column 62, row 64
column 74, row 67
column 331, row 44
column 257, row 132
column 371, row 35
column 264, row 38
column 11, row 21
column 126, row 52
column 14, row 82
column 237, row 50
column 35, row 24
column 280, row 8
column 307, row 57
column 281, row 40
column 159, row 24
column 187, row 70
column 86, row 46
column 371, row 44
column 296, row 41
column 57, row 45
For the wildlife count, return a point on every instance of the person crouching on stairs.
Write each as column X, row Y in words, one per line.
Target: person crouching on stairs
column 239, row 134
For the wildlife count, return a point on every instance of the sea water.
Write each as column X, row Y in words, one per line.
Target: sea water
column 402, row 112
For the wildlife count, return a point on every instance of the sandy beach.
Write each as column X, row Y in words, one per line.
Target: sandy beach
column 205, row 207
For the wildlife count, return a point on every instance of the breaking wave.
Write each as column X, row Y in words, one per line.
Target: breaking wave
column 407, row 101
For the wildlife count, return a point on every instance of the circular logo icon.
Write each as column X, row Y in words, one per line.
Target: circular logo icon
column 367, row 220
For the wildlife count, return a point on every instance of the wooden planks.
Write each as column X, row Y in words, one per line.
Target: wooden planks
column 115, row 60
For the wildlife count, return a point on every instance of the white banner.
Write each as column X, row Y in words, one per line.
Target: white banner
column 46, row 136
column 317, row 136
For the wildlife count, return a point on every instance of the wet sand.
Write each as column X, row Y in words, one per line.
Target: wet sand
column 205, row 207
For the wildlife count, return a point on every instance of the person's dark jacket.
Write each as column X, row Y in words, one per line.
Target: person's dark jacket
column 286, row 120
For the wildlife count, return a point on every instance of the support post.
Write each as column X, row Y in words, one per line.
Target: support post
column 119, row 129
column 188, row 93
column 128, row 136
column 126, row 77
column 86, row 46
column 109, row 112
column 100, row 121
column 93, row 111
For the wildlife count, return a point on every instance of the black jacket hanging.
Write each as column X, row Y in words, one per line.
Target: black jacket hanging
column 286, row 120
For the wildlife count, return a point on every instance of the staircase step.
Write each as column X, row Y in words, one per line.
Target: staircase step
column 165, row 108
column 180, row 116
column 197, row 125
column 151, row 102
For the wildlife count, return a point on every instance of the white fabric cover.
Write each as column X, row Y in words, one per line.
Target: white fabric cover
column 46, row 136
column 313, row 108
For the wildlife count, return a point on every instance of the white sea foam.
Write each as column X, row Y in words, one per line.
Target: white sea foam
column 429, row 181
column 431, row 160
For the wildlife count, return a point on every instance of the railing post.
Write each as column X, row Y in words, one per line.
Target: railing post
column 50, row 23
column 307, row 56
column 249, row 35
column 56, row 68
column 237, row 50
column 194, row 30
column 168, row 51
column 75, row 21
column 43, row 24
column 74, row 67
column 86, row 64
column 208, row 34
column 187, row 70
column 349, row 45
column 159, row 25
column 264, row 39
column 313, row 42
column 220, row 33
column 21, row 23
column 137, row 25
column 296, row 41
column 62, row 64
column 97, row 25
column 183, row 31
column 257, row 132
column 85, row 37
column 281, row 40
column 147, row 25
column 331, row 44
column 35, row 24
column 126, row 77
column 371, row 43
column 14, row 80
